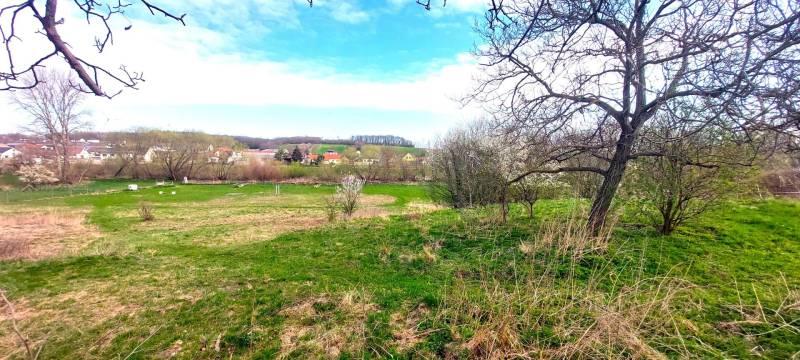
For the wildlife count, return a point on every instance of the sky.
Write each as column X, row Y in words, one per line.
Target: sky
column 273, row 68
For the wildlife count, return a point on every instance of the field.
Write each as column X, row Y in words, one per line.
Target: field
column 240, row 272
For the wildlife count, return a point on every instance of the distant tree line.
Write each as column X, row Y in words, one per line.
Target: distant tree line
column 272, row 143
column 389, row 140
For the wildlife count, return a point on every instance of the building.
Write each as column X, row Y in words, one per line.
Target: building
column 8, row 152
column 265, row 154
column 101, row 152
column 331, row 157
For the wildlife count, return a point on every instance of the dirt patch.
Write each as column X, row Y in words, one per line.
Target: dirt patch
column 375, row 200
column 326, row 326
column 43, row 233
column 423, row 207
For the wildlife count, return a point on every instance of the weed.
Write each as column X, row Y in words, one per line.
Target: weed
column 146, row 212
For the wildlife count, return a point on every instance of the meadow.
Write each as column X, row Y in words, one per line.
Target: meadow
column 242, row 272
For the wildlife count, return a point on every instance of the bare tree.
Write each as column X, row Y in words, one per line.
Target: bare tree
column 90, row 75
column 696, row 172
column 54, row 107
column 586, row 76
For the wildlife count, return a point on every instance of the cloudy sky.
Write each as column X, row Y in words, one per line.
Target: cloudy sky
column 279, row 68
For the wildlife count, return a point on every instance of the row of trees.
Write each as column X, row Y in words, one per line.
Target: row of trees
column 476, row 165
column 387, row 140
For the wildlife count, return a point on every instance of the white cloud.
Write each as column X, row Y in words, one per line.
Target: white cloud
column 188, row 66
column 346, row 12
column 438, row 7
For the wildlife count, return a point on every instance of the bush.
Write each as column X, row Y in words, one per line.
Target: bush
column 347, row 194
column 146, row 212
column 35, row 175
column 331, row 208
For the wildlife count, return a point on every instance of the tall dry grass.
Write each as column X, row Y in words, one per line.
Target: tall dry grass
column 552, row 309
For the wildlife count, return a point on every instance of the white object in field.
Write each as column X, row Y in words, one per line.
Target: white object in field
column 185, row 180
column 173, row 193
column 133, row 187
column 160, row 183
column 160, row 193
column 277, row 189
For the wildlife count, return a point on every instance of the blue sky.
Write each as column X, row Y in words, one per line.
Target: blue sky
column 278, row 68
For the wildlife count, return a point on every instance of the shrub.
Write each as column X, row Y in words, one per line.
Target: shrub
column 146, row 212
column 347, row 194
column 331, row 208
column 35, row 175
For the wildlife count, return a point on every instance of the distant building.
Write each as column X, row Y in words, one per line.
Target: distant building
column 331, row 157
column 101, row 152
column 265, row 154
column 8, row 152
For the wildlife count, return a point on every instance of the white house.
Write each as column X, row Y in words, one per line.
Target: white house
column 84, row 154
column 151, row 153
column 7, row 152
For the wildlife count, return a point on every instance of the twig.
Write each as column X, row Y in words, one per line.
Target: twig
column 14, row 326
column 143, row 341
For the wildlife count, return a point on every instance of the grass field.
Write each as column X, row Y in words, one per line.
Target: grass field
column 240, row 272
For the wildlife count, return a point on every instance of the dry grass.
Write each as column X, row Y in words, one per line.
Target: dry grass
column 405, row 327
column 93, row 304
column 75, row 311
column 33, row 234
column 326, row 326
column 254, row 218
column 570, row 236
column 578, row 318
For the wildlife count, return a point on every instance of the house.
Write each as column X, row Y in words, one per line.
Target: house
column 82, row 154
column 366, row 162
column 151, row 153
column 331, row 157
column 8, row 152
column 102, row 152
column 265, row 154
column 227, row 153
column 409, row 158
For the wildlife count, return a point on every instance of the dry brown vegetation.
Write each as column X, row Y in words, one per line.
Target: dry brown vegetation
column 33, row 234
column 325, row 326
column 251, row 218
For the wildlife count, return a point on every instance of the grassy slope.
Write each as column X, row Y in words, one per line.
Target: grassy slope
column 190, row 292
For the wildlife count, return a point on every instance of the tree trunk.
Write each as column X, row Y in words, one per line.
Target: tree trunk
column 530, row 210
column 666, row 226
column 611, row 180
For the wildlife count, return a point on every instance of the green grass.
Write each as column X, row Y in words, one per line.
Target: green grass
column 148, row 286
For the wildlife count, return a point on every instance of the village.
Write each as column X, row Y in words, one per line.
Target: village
column 95, row 151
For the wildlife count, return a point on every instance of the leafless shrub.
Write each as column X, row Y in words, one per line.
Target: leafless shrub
column 348, row 193
column 331, row 207
column 146, row 212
